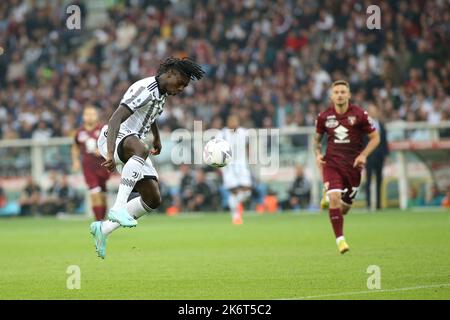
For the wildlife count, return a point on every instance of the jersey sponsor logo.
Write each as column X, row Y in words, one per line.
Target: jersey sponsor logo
column 341, row 133
column 332, row 116
column 351, row 120
column 331, row 123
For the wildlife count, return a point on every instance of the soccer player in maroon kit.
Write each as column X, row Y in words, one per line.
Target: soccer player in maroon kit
column 345, row 125
column 95, row 174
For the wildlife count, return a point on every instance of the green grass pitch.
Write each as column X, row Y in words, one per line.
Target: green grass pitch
column 280, row 256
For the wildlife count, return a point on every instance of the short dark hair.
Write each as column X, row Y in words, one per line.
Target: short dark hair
column 185, row 66
column 340, row 82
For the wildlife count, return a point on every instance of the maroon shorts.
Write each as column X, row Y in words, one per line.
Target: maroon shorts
column 344, row 180
column 96, row 179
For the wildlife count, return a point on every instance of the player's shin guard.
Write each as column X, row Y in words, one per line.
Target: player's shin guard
column 337, row 221
column 131, row 173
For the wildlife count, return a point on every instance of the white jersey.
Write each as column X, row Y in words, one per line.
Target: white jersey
column 238, row 140
column 237, row 173
column 146, row 103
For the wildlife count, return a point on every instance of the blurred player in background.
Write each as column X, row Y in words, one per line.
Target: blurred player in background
column 95, row 175
column 345, row 125
column 236, row 176
column 121, row 144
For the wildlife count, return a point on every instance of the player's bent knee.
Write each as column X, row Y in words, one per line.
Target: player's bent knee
column 153, row 201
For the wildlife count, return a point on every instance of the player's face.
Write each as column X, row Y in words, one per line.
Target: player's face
column 90, row 116
column 232, row 122
column 340, row 95
column 175, row 82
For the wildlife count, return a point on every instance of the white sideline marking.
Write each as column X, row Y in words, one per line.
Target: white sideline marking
column 369, row 291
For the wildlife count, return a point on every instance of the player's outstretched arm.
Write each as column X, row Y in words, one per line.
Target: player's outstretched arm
column 120, row 115
column 374, row 141
column 157, row 146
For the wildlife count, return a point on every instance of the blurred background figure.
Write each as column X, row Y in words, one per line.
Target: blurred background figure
column 203, row 197
column 187, row 185
column 299, row 192
column 435, row 197
column 61, row 198
column 85, row 155
column 7, row 208
column 30, row 198
column 375, row 161
column 446, row 200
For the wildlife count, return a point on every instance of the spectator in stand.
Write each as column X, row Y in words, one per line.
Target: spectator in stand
column 187, row 185
column 261, row 60
column 436, row 197
column 299, row 194
column 203, row 194
column 446, row 200
column 30, row 198
column 61, row 197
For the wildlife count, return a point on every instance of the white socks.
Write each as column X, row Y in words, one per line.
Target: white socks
column 135, row 207
column 338, row 239
column 233, row 203
column 243, row 195
column 131, row 173
column 108, row 226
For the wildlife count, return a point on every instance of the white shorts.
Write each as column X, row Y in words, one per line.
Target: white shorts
column 235, row 175
column 148, row 170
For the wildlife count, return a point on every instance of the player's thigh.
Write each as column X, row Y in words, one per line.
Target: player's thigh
column 148, row 188
column 334, row 185
column 132, row 146
column 332, row 180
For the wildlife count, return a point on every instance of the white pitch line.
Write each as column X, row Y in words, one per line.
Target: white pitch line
column 369, row 291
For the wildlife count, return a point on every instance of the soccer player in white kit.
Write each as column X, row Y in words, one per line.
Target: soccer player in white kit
column 121, row 144
column 236, row 176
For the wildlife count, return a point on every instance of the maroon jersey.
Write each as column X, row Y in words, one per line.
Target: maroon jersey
column 95, row 174
column 345, row 134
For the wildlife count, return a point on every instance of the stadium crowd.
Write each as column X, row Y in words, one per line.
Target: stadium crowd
column 268, row 61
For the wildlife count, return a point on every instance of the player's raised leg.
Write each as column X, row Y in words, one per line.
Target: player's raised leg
column 148, row 200
column 134, row 152
column 337, row 219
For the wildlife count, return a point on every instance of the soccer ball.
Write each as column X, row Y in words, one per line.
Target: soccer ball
column 217, row 153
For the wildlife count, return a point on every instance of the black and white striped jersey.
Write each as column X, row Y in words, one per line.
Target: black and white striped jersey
column 145, row 102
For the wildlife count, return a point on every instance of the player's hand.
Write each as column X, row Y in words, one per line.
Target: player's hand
column 157, row 146
column 76, row 166
column 319, row 160
column 109, row 163
column 360, row 162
